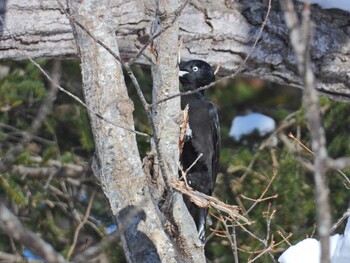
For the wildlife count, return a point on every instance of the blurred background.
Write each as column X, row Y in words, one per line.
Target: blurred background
column 264, row 170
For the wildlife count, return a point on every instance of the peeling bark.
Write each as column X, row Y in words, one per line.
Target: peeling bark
column 219, row 32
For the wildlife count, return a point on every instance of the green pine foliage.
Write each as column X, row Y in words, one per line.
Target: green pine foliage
column 14, row 191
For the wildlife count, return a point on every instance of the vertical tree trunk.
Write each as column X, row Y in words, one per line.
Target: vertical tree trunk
column 165, row 75
column 117, row 163
column 119, row 167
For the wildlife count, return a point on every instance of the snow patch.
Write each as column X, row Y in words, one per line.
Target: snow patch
column 244, row 125
column 309, row 250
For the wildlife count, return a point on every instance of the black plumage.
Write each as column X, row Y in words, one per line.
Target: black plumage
column 203, row 136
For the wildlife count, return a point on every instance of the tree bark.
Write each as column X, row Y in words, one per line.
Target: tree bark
column 117, row 164
column 167, row 118
column 219, row 32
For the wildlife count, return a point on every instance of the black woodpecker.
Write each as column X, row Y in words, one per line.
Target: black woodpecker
column 203, row 136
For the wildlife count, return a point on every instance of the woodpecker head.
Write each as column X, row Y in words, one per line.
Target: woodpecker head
column 196, row 73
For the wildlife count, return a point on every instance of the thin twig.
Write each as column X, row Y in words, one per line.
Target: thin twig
column 268, row 221
column 16, row 132
column 259, row 200
column 195, row 161
column 285, row 239
column 250, row 233
column 234, row 244
column 80, row 226
column 340, row 220
column 268, row 249
column 329, row 162
column 263, row 193
column 137, row 87
column 291, row 136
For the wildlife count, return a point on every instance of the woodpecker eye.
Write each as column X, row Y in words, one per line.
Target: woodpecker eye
column 195, row 69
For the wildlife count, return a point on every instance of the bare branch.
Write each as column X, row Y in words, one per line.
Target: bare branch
column 10, row 224
column 44, row 172
column 340, row 220
column 234, row 244
column 203, row 200
column 81, row 224
column 43, row 111
column 260, row 199
column 17, row 132
column 340, row 163
column 300, row 35
column 332, row 164
column 291, row 136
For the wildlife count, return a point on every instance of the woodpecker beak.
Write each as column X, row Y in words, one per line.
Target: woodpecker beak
column 182, row 73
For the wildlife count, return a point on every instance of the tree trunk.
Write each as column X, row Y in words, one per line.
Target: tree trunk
column 117, row 162
column 119, row 166
column 218, row 31
column 165, row 75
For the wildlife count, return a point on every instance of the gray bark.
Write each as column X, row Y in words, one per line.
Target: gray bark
column 118, row 165
column 167, row 119
column 218, row 31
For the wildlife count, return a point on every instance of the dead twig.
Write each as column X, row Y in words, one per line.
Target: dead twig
column 340, row 220
column 259, row 200
column 330, row 163
column 80, row 226
column 285, row 239
column 203, row 200
column 263, row 193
